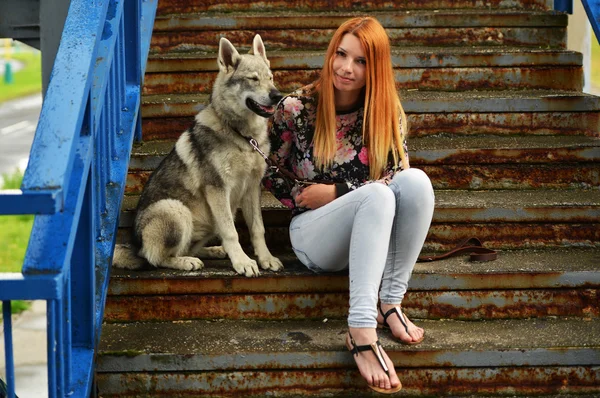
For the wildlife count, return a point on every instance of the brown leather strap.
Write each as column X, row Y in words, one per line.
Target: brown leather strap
column 473, row 246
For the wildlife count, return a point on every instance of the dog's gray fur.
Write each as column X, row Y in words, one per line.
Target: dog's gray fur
column 194, row 193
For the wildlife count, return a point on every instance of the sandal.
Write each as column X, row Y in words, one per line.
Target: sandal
column 376, row 348
column 402, row 317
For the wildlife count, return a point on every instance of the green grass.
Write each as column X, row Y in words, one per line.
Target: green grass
column 14, row 235
column 14, row 231
column 25, row 81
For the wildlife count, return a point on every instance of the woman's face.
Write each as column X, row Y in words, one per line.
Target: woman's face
column 349, row 65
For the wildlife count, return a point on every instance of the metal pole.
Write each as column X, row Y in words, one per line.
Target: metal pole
column 8, row 349
column 8, row 75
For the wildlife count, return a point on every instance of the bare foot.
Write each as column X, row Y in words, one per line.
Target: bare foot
column 415, row 334
column 367, row 362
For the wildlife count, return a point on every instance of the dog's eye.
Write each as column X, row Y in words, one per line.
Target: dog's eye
column 255, row 78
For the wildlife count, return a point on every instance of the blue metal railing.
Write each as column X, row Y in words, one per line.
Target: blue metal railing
column 592, row 9
column 75, row 181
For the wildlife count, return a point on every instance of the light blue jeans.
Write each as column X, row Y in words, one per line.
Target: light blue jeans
column 377, row 231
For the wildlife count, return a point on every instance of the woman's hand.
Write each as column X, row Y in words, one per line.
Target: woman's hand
column 315, row 196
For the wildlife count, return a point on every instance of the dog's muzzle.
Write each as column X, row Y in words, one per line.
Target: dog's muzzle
column 259, row 109
column 265, row 110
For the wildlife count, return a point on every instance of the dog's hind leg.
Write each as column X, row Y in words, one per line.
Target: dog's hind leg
column 166, row 234
column 253, row 217
column 200, row 237
column 164, row 257
column 182, row 263
column 208, row 251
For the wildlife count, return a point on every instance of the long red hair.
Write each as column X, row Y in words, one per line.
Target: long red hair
column 383, row 111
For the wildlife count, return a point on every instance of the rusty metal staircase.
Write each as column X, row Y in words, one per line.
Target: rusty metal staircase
column 498, row 121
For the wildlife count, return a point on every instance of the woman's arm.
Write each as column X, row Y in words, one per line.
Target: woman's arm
column 280, row 134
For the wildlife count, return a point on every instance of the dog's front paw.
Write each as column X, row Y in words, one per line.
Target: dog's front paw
column 247, row 267
column 271, row 263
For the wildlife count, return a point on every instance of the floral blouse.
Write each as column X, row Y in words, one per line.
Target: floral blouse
column 291, row 135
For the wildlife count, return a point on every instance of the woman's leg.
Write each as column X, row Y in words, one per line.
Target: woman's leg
column 414, row 210
column 353, row 231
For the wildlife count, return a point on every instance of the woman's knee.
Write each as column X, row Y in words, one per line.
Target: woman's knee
column 412, row 182
column 380, row 199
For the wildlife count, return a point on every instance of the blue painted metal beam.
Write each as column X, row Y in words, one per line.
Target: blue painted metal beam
column 104, row 60
column 55, row 142
column 17, row 286
column 14, row 201
column 52, row 236
column 592, row 8
column 130, row 120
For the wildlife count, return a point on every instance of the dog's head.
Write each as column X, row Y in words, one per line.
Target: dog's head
column 245, row 80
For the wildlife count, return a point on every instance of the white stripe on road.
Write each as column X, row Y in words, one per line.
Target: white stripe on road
column 17, row 127
column 34, row 101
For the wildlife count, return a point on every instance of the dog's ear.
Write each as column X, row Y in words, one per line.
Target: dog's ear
column 228, row 55
column 258, row 48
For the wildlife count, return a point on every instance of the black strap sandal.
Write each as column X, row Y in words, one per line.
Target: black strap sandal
column 376, row 348
column 402, row 317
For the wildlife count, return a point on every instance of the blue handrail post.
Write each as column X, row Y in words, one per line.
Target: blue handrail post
column 133, row 52
column 83, row 281
column 564, row 5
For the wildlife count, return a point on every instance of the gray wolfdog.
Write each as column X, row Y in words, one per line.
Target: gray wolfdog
column 212, row 171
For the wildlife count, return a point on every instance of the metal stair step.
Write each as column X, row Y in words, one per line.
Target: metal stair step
column 414, row 101
column 294, row 19
column 440, row 149
column 474, row 162
column 190, row 6
column 456, row 124
column 504, row 219
column 405, row 57
column 300, row 30
column 318, row 39
column 519, row 284
column 440, row 79
column 460, row 68
column 462, row 206
column 233, row 358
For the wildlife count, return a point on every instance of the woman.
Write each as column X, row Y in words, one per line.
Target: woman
column 348, row 128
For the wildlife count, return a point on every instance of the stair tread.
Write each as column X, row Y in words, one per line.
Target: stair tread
column 415, row 94
column 416, row 50
column 402, row 57
column 222, row 344
column 303, row 19
column 466, row 199
column 533, row 205
column 178, row 6
column 529, row 269
column 415, row 101
column 439, row 143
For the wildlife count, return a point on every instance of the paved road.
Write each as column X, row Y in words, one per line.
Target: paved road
column 18, row 120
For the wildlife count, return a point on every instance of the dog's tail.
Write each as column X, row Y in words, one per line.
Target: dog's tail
column 124, row 257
